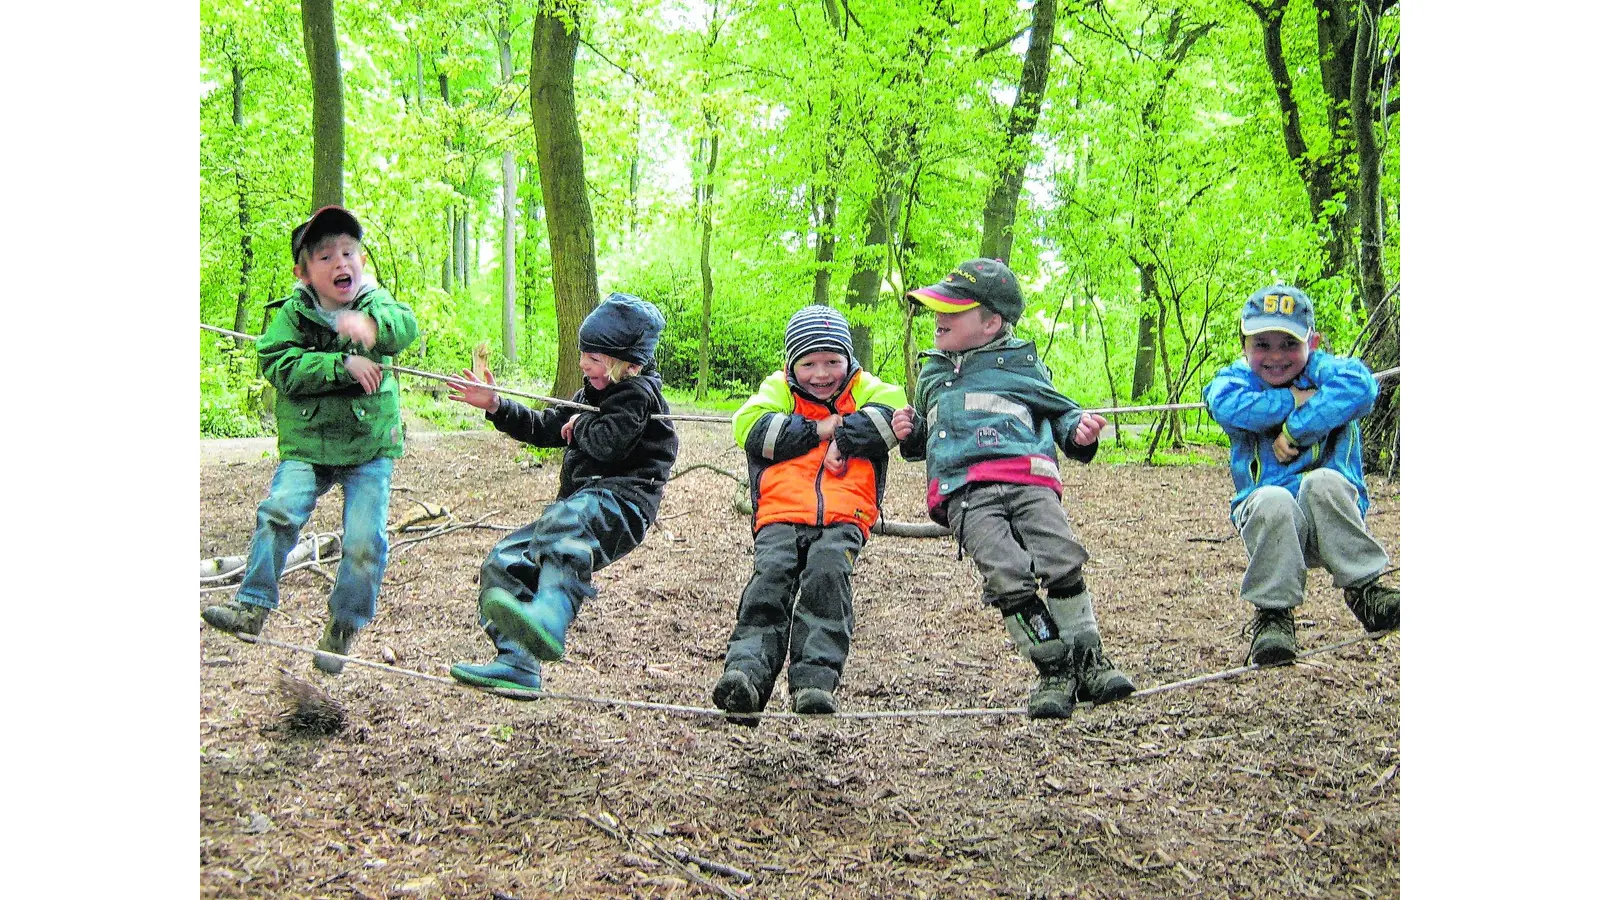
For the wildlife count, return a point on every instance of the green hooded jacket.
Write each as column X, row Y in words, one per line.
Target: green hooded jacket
column 324, row 417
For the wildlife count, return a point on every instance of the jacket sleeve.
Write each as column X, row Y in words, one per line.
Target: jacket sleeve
column 612, row 433
column 867, row 432
column 292, row 367
column 397, row 324
column 767, row 427
column 1345, row 392
column 1240, row 407
column 541, row 428
column 1063, row 414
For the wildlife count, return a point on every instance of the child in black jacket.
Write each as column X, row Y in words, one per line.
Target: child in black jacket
column 612, row 478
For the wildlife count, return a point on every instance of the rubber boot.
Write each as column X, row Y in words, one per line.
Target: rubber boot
column 514, row 668
column 540, row 625
column 1098, row 680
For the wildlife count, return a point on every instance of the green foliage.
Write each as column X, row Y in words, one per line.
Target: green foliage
column 1150, row 150
column 231, row 396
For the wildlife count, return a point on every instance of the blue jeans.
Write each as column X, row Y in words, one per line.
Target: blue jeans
column 295, row 489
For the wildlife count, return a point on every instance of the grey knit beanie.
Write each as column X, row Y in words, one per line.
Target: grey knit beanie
column 814, row 328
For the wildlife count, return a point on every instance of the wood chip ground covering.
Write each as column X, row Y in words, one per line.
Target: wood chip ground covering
column 1281, row 783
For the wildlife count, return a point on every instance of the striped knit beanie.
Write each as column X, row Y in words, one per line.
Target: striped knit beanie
column 814, row 328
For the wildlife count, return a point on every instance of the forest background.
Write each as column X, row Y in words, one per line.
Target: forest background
column 1143, row 167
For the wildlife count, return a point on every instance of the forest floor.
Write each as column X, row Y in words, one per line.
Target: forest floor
column 1278, row 783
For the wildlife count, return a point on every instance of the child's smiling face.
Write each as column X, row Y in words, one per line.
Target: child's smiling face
column 821, row 373
column 333, row 270
column 1277, row 357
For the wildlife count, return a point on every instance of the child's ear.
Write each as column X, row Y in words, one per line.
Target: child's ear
column 993, row 325
column 1313, row 340
column 300, row 273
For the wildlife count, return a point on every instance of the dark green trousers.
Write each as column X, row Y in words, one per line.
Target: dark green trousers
column 798, row 604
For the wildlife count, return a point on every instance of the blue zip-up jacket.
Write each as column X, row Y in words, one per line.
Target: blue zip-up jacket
column 990, row 414
column 1325, row 427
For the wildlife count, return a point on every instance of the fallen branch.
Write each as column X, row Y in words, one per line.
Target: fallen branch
column 663, row 855
column 686, row 471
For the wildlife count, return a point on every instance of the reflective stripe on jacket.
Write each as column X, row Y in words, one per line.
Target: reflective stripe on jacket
column 777, row 427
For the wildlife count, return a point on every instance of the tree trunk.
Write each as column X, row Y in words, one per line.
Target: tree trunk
column 827, row 239
column 1325, row 176
column 566, row 201
column 508, row 207
column 1000, row 211
column 1144, row 356
column 247, row 254
column 1381, row 451
column 447, row 267
column 707, row 191
column 327, row 103
column 866, row 282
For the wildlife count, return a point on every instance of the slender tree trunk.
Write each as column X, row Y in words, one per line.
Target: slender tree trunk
column 508, row 206
column 1381, row 450
column 708, row 192
column 1144, row 356
column 247, row 256
column 566, row 201
column 827, row 239
column 866, row 282
column 327, row 103
column 1000, row 211
column 447, row 266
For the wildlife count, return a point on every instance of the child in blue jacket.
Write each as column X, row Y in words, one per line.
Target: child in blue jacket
column 1292, row 415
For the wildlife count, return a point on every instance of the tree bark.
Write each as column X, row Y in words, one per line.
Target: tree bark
column 1381, row 450
column 707, row 288
column 327, row 103
column 508, row 207
column 1144, row 355
column 447, row 267
column 247, row 254
column 561, row 182
column 1000, row 211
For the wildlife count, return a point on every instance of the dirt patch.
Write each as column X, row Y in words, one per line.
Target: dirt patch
column 1279, row 783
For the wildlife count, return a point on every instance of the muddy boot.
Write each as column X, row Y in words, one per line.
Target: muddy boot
column 736, row 692
column 814, row 701
column 236, row 617
column 1034, row 633
column 1098, row 680
column 1272, row 637
column 514, row 668
column 1377, row 607
column 336, row 638
column 540, row 625
column 1056, row 693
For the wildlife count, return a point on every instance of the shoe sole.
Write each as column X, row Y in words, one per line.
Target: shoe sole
column 513, row 622
column 465, row 677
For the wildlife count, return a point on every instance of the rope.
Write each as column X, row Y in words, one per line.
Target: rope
column 970, row 712
column 451, row 379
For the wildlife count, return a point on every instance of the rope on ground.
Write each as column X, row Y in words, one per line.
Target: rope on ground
column 861, row 714
column 555, row 401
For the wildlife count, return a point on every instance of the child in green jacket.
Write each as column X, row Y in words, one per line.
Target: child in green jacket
column 338, row 422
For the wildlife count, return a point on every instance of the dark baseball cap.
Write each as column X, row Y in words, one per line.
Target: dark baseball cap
column 976, row 282
column 325, row 221
column 1278, row 308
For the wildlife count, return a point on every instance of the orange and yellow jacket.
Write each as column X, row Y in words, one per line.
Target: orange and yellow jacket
column 777, row 427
